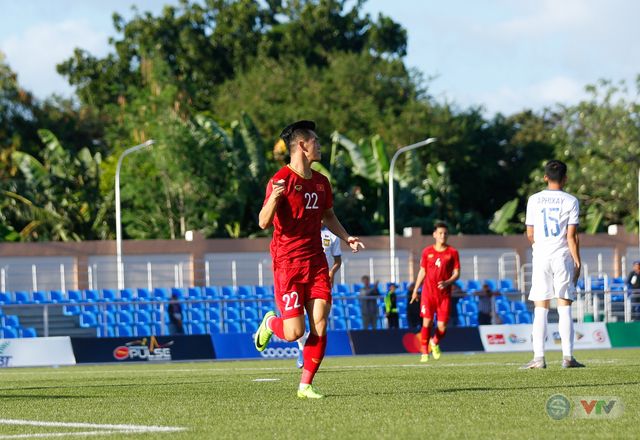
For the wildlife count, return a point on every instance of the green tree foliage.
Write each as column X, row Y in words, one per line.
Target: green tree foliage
column 599, row 139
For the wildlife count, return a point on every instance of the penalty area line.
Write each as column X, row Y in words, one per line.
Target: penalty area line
column 98, row 429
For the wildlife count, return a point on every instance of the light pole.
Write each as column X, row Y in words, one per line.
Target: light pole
column 119, row 267
column 392, row 213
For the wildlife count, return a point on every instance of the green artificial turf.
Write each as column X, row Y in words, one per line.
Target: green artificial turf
column 368, row 397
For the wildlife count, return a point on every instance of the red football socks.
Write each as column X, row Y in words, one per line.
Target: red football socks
column 277, row 326
column 313, row 354
column 439, row 335
column 424, row 339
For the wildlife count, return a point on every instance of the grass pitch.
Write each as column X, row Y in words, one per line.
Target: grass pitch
column 368, row 397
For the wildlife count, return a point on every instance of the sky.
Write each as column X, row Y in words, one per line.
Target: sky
column 504, row 55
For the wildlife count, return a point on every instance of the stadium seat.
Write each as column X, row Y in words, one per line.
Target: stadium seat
column 22, row 297
column 181, row 293
column 91, row 295
column 142, row 317
column 493, row 284
column 356, row 288
column 88, row 319
column 194, row 293
column 8, row 333
column 502, row 307
column 75, row 296
column 233, row 327
column 227, row 291
column 523, row 317
column 160, row 294
column 473, row 286
column 142, row 330
column 212, row 292
column 213, row 314
column 123, row 330
column 263, row 292
column 101, row 332
column 355, row 323
column 339, row 324
column 70, row 310
column 194, row 315
column 251, row 327
column 518, row 306
column 506, row 285
column 109, row 295
column 213, row 327
column 41, row 297
column 58, row 297
column 109, row 317
column 461, row 285
column 246, row 291
column 124, row 317
column 231, row 313
column 507, row 318
column 196, row 328
column 251, row 314
column 143, row 294
column 28, row 332
column 5, row 298
column 127, row 295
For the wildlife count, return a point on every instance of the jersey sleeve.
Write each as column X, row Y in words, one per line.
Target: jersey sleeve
column 574, row 213
column 456, row 260
column 529, row 220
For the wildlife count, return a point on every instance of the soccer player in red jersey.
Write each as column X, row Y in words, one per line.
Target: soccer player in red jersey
column 298, row 199
column 439, row 269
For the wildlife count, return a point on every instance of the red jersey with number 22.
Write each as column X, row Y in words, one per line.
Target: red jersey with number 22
column 297, row 222
column 439, row 266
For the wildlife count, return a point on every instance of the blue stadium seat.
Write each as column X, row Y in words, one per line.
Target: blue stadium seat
column 523, row 317
column 91, row 295
column 212, row 292
column 506, row 285
column 5, row 298
column 518, row 306
column 233, row 327
column 502, row 307
column 75, row 296
column 337, row 311
column 101, row 332
column 263, row 292
column 22, row 297
column 194, row 293
column 213, row 327
column 109, row 295
column 231, row 313
column 28, row 332
column 8, row 333
column 246, row 291
column 90, row 308
column 88, row 319
column 123, row 330
column 507, row 318
column 196, row 328
column 143, row 294
column 127, row 295
column 142, row 317
column 251, row 314
column 109, row 317
column 213, row 314
column 356, row 287
column 472, row 320
column 195, row 315
column 473, row 286
column 355, row 323
column 41, row 297
column 142, row 330
column 461, row 285
column 182, row 293
column 339, row 324
column 160, row 294
column 70, row 310
column 58, row 297
column 493, row 284
column 11, row 321
column 251, row 326
column 124, row 317
column 227, row 291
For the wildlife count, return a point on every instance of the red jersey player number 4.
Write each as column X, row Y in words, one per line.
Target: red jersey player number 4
column 297, row 201
column 439, row 269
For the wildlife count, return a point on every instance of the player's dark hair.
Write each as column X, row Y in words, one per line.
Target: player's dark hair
column 555, row 170
column 297, row 134
column 440, row 225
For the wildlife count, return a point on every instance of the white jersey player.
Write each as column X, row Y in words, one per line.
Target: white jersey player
column 552, row 229
column 331, row 246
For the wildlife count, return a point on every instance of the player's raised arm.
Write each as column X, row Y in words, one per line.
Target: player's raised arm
column 336, row 227
column 268, row 211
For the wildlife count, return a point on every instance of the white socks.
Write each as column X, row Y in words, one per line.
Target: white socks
column 539, row 332
column 303, row 340
column 565, row 328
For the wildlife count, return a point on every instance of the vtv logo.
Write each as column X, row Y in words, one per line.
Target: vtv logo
column 599, row 407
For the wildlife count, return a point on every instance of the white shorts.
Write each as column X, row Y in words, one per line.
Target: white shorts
column 552, row 277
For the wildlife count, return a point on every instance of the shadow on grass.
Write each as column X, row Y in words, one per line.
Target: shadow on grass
column 39, row 396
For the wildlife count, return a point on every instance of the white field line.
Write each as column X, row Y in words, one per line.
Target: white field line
column 326, row 367
column 102, row 429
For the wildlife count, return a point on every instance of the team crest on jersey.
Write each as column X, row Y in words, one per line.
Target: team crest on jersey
column 319, row 187
column 298, row 187
column 326, row 241
column 430, row 256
